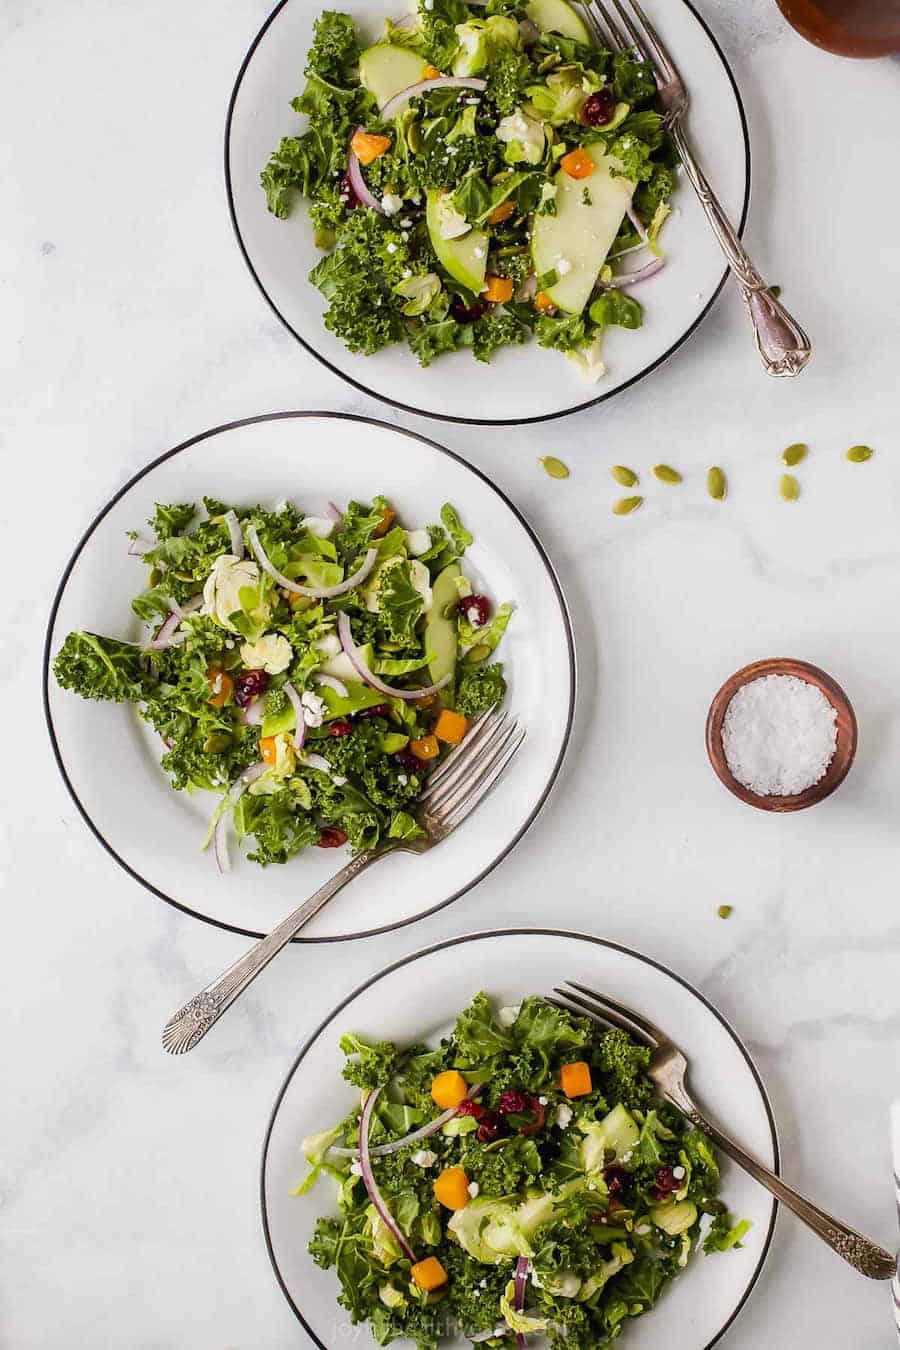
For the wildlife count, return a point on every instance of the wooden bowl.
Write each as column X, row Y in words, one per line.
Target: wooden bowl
column 845, row 749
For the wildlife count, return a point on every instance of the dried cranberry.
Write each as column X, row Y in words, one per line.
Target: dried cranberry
column 616, row 1179
column 475, row 608
column 470, row 1109
column 348, row 193
column 514, row 1103
column 332, row 837
column 464, row 313
column 380, row 710
column 666, row 1182
column 408, row 761
column 598, row 109
column 492, row 1127
column 340, row 728
column 248, row 685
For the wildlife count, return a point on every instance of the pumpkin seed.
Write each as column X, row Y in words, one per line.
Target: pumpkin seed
column 216, row 742
column 475, row 655
column 716, row 483
column 554, row 467
column 724, row 910
column 793, row 454
column 790, row 488
column 858, row 454
column 666, row 474
column 627, row 477
column 625, row 505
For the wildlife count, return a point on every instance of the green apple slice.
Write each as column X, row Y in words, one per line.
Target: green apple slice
column 385, row 70
column 465, row 258
column 557, row 16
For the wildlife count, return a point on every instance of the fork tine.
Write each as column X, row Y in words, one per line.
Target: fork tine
column 487, row 780
column 446, row 804
column 649, row 1029
column 593, row 24
column 615, row 37
column 449, row 767
column 598, row 1008
column 436, row 795
column 652, row 40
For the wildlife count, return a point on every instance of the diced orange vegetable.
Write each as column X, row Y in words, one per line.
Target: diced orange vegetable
column 387, row 519
column 267, row 749
column 575, row 1079
column 502, row 212
column 498, row 289
column 577, row 164
column 429, row 1274
column 448, row 1089
column 431, row 73
column 450, row 727
column 452, row 1188
column 220, row 686
column 425, row 748
column 543, row 304
column 367, row 146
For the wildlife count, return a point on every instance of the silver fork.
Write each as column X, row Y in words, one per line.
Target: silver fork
column 668, row 1070
column 781, row 342
column 452, row 792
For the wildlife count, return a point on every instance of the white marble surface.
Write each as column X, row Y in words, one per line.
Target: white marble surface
column 127, row 322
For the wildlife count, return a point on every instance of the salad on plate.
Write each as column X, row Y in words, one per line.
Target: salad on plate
column 308, row 669
column 517, row 1184
column 480, row 176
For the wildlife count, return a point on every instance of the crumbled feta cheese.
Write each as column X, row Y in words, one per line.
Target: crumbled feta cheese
column 424, row 1158
column 627, row 1156
column 314, row 709
column 642, row 1229
column 391, row 203
column 338, row 779
column 406, row 224
column 391, row 248
column 417, row 542
column 320, row 527
column 402, row 779
column 564, row 1116
column 542, row 1101
column 355, row 1169
column 473, row 1188
column 678, row 1173
column 506, row 1016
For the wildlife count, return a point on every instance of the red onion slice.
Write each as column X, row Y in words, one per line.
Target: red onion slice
column 644, row 273
column 314, row 592
column 296, row 703
column 424, row 1132
column 393, row 105
column 234, row 529
column 521, row 1277
column 364, row 673
column 254, row 712
column 368, row 1176
column 335, row 512
column 638, row 225
column 235, row 792
column 358, row 182
column 332, row 682
column 167, row 635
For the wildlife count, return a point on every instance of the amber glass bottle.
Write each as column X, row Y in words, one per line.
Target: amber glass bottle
column 847, row 27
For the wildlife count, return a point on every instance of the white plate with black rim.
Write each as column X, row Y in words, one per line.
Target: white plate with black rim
column 521, row 384
column 109, row 758
column 509, row 964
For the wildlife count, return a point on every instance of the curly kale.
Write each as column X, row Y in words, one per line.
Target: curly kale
column 103, row 668
column 369, row 1065
column 480, row 688
column 169, row 520
column 623, row 1066
column 335, row 51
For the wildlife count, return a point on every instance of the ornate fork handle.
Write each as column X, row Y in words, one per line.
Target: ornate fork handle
column 858, row 1251
column 781, row 342
column 191, row 1023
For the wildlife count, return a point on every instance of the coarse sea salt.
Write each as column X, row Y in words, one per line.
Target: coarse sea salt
column 779, row 735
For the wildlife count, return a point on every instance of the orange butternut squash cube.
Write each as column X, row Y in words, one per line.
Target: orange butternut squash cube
column 543, row 304
column 431, row 73
column 367, row 146
column 267, row 751
column 425, row 748
column 575, row 1079
column 448, row 1089
column 497, row 289
column 452, row 1188
column 577, row 164
column 429, row 1274
column 450, row 727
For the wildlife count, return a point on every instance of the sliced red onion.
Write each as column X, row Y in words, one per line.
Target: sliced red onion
column 364, row 673
column 254, row 712
column 138, row 547
column 424, row 1131
column 234, row 529
column 167, row 636
column 638, row 225
column 368, row 1176
column 314, row 592
column 335, row 511
column 332, row 682
column 520, row 1278
column 296, row 703
column 358, row 182
column 393, row 105
column 235, row 792
column 644, row 273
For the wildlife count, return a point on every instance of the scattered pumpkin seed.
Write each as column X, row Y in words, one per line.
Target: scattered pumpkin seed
column 666, row 474
column 858, row 454
column 790, row 488
column 627, row 477
column 724, row 910
column 625, row 505
column 716, row 483
column 793, row 454
column 475, row 655
column 216, row 742
column 554, row 467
